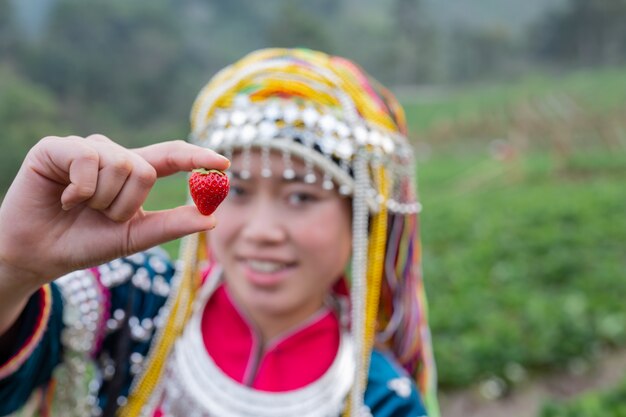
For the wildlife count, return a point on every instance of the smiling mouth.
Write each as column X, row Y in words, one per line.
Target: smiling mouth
column 266, row 266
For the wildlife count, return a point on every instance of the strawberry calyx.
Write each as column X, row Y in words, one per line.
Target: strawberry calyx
column 204, row 171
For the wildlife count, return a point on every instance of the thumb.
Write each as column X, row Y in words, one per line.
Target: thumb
column 157, row 227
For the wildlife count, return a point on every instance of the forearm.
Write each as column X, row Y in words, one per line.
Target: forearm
column 15, row 290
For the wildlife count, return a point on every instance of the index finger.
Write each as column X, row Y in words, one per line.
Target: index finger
column 171, row 157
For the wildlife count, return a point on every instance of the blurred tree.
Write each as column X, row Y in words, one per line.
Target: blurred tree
column 27, row 113
column 109, row 56
column 7, row 33
column 131, row 69
column 414, row 46
column 584, row 33
column 480, row 53
column 230, row 29
column 295, row 26
column 31, row 17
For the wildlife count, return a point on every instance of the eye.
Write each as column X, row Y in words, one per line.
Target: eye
column 237, row 191
column 299, row 198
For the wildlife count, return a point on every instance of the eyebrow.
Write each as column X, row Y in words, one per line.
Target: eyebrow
column 296, row 179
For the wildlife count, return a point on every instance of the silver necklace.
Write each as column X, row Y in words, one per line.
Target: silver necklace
column 195, row 386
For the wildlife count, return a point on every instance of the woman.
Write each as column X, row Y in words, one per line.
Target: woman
column 306, row 299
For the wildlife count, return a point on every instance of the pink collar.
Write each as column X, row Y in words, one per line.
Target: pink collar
column 291, row 361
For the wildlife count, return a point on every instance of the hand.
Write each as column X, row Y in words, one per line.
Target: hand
column 77, row 203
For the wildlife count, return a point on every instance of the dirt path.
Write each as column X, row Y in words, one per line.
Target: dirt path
column 528, row 399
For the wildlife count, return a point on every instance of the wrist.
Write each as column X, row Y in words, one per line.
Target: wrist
column 18, row 280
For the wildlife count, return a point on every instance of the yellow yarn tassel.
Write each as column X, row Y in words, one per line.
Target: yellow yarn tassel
column 375, row 266
column 179, row 314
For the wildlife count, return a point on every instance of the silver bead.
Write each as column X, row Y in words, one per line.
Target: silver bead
column 135, row 369
column 160, row 286
column 387, row 144
column 221, row 118
column 136, row 357
column 137, row 258
column 375, row 138
column 343, row 130
column 360, row 134
column 272, row 112
column 267, row 130
column 344, row 149
column 112, row 324
column 310, row 117
column 238, row 118
column 291, row 113
column 108, row 371
column 328, row 184
column 345, row 190
column 138, row 333
column 248, row 133
column 327, row 123
column 147, row 323
column 119, row 314
column 289, row 174
column 327, row 144
column 217, row 137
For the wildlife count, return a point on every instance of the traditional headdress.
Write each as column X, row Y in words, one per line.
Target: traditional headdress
column 328, row 112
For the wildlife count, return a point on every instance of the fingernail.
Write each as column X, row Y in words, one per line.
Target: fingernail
column 224, row 158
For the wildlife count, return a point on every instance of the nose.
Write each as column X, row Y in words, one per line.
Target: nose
column 264, row 224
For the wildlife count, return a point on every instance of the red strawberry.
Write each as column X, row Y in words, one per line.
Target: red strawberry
column 208, row 189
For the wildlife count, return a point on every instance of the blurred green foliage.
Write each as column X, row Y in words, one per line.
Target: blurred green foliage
column 593, row 92
column 131, row 69
column 523, row 272
column 167, row 193
column 609, row 403
column 27, row 113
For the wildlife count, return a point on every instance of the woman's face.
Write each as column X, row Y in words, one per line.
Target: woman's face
column 282, row 244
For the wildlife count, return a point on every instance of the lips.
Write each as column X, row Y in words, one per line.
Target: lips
column 266, row 272
column 266, row 266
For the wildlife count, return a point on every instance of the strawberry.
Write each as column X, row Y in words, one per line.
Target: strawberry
column 208, row 189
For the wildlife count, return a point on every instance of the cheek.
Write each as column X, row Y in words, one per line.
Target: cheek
column 222, row 237
column 330, row 242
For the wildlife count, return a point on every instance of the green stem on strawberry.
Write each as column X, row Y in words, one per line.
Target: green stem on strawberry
column 205, row 171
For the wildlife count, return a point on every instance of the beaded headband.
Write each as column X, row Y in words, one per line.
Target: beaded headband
column 287, row 102
column 327, row 112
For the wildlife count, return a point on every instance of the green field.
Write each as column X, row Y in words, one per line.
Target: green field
column 589, row 91
column 603, row 404
column 525, row 271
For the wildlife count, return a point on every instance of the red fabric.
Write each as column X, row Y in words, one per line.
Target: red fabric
column 228, row 338
column 290, row 362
